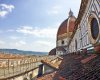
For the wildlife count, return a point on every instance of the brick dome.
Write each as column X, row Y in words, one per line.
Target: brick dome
column 67, row 25
column 71, row 24
column 63, row 28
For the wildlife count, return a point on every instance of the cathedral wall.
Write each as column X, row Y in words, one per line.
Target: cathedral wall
column 93, row 7
column 81, row 37
column 62, row 42
column 59, row 43
column 59, row 52
column 76, row 43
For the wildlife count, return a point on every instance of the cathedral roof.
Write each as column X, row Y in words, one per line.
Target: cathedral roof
column 52, row 52
column 61, row 48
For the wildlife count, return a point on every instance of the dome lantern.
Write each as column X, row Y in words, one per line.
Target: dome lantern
column 70, row 13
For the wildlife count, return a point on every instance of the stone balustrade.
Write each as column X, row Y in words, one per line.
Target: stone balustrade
column 12, row 67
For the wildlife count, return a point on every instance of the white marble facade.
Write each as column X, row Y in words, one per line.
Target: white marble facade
column 81, row 37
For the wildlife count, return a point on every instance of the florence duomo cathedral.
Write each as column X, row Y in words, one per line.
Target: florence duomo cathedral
column 64, row 33
column 78, row 45
column 75, row 57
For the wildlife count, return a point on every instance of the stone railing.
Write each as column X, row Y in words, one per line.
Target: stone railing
column 11, row 67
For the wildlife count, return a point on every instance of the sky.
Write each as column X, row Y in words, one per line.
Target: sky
column 32, row 24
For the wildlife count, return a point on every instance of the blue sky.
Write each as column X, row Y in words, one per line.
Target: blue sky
column 32, row 24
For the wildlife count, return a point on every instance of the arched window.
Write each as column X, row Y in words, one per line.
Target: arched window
column 62, row 42
column 94, row 28
column 76, row 44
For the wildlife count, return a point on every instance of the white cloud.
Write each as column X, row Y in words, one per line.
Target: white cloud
column 45, row 37
column 2, row 42
column 21, row 43
column 44, row 43
column 38, row 32
column 54, row 10
column 32, row 38
column 3, row 13
column 5, row 9
column 18, row 43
